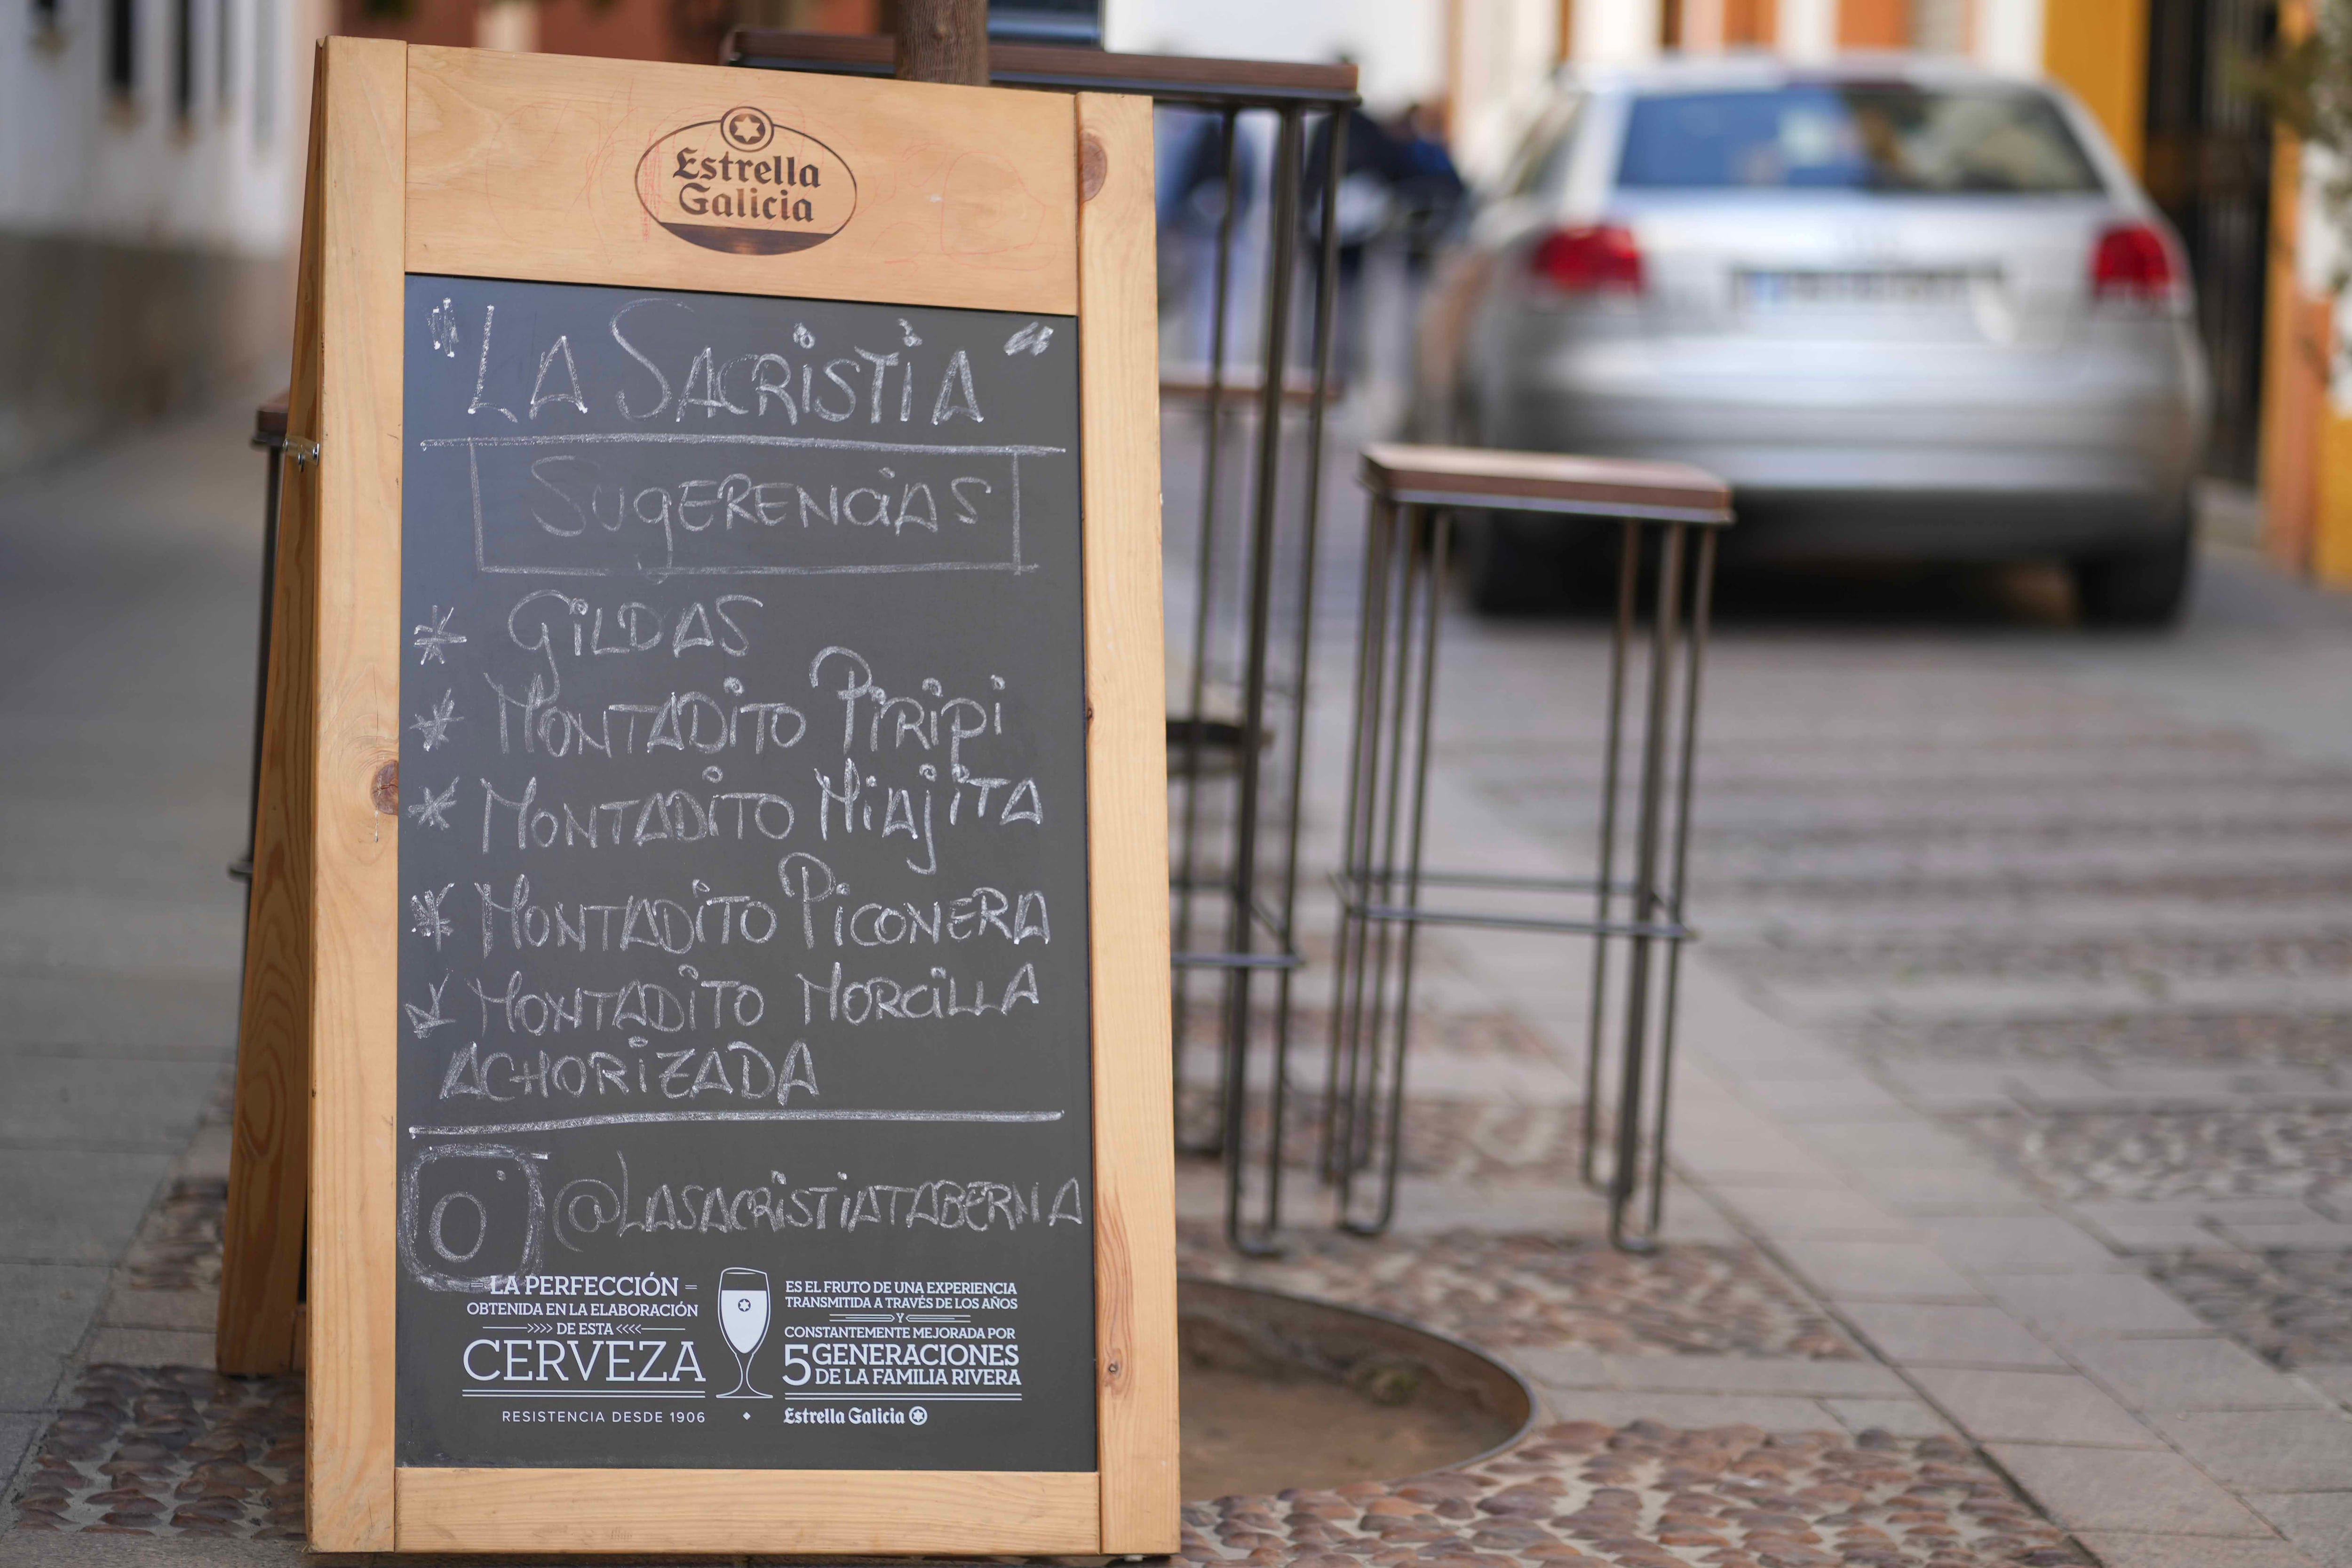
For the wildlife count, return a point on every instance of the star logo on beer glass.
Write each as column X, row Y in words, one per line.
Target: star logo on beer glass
column 743, row 1319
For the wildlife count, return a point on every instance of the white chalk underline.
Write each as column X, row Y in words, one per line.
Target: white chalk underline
column 643, row 1117
column 686, row 438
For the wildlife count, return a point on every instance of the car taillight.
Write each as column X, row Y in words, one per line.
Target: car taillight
column 1597, row 259
column 2132, row 262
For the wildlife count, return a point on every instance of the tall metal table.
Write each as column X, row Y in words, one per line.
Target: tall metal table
column 1240, row 852
column 1667, row 516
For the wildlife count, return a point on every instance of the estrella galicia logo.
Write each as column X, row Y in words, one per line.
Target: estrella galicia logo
column 743, row 184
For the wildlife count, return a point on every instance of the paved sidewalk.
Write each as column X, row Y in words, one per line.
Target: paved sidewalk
column 2009, row 1135
column 2018, row 1036
column 128, row 585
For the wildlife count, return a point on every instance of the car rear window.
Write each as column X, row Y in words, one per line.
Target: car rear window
column 1852, row 136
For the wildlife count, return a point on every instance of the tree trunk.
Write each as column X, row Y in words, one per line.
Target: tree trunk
column 943, row 40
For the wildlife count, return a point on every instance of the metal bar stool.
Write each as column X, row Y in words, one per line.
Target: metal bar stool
column 1415, row 493
column 1235, row 778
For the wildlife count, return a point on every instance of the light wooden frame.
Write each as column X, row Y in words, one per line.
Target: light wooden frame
column 460, row 161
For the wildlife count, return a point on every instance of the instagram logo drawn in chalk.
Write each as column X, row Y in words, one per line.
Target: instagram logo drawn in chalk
column 743, row 1318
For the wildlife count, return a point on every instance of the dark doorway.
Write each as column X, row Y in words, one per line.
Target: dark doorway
column 2209, row 167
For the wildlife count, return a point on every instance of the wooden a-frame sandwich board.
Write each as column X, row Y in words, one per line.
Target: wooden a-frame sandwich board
column 527, row 167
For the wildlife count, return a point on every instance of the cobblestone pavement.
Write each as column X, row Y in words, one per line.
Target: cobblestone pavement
column 1506, row 1291
column 2274, row 1151
column 178, row 1453
column 1493, row 1033
column 2294, row 1309
column 179, row 1248
column 2063, row 958
column 1457, row 1139
column 2113, row 1041
column 172, row 1450
column 1643, row 1495
column 2001, row 1230
column 2028, row 957
column 181, row 1452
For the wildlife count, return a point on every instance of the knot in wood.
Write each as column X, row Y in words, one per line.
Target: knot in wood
column 1093, row 166
column 385, row 790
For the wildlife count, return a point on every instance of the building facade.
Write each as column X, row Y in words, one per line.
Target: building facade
column 151, row 167
column 151, row 158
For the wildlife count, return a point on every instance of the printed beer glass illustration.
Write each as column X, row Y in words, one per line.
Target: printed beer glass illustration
column 743, row 1315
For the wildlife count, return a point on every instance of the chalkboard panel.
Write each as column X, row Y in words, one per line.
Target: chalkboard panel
column 743, row 1088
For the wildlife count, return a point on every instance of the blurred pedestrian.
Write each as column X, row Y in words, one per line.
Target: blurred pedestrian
column 1371, row 166
column 1429, row 190
column 1192, row 198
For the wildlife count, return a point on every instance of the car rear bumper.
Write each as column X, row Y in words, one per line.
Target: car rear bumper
column 1953, row 456
column 1951, row 525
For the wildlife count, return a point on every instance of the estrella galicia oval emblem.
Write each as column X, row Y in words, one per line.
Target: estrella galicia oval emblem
column 743, row 184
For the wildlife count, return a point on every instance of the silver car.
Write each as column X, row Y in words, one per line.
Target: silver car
column 1906, row 307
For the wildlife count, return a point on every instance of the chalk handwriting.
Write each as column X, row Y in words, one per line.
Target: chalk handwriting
column 675, row 926
column 476, row 403
column 434, row 727
column 432, row 808
column 589, row 1205
column 690, row 1003
column 434, row 641
column 940, row 994
column 426, row 919
column 641, row 1070
column 423, row 1021
column 985, row 912
column 742, row 916
column 441, row 322
column 1030, row 339
column 676, row 817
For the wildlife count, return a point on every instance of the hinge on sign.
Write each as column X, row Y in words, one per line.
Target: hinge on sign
column 304, row 453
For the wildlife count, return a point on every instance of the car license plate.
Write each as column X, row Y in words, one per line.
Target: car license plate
column 1910, row 289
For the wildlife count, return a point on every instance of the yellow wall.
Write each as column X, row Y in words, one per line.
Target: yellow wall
column 2298, row 332
column 2331, row 544
column 2099, row 48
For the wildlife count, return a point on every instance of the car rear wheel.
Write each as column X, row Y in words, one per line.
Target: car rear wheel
column 2145, row 587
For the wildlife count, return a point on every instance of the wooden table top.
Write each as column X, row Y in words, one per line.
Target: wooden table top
column 1545, row 481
